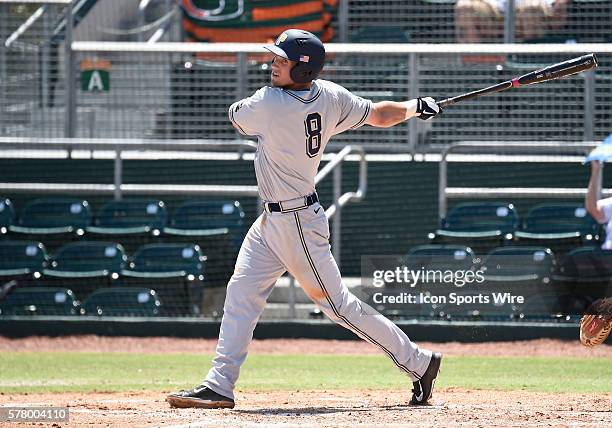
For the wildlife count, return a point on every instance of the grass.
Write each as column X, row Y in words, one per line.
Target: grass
column 22, row 372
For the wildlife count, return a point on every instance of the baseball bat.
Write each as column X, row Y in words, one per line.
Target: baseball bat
column 552, row 72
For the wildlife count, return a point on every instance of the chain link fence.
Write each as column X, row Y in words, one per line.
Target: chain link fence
column 164, row 94
column 167, row 94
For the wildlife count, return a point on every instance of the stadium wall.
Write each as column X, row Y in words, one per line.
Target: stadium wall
column 431, row 331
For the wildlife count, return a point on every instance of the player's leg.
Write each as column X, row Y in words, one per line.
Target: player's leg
column 311, row 262
column 256, row 272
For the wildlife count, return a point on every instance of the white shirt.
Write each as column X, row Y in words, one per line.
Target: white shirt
column 293, row 128
column 605, row 205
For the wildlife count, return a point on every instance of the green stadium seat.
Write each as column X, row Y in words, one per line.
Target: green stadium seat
column 217, row 227
column 559, row 226
column 522, row 271
column 7, row 215
column 39, row 301
column 480, row 225
column 122, row 302
column 433, row 261
column 53, row 221
column 519, row 264
column 23, row 261
column 207, row 218
column 133, row 223
column 586, row 275
column 586, row 265
column 174, row 271
column 85, row 266
column 441, row 257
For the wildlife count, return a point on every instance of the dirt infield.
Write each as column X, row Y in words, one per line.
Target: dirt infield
column 451, row 407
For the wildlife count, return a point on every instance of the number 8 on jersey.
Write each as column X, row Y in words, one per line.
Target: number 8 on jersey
column 312, row 126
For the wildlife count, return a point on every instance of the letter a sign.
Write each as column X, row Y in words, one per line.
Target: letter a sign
column 95, row 75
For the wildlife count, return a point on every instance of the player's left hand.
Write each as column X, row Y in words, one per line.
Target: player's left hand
column 427, row 108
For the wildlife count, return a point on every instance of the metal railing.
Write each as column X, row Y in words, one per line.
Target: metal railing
column 118, row 188
column 341, row 199
column 557, row 151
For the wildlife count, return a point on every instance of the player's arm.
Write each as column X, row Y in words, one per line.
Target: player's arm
column 247, row 115
column 593, row 191
column 385, row 114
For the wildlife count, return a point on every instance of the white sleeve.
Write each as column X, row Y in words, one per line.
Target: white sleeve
column 605, row 205
column 247, row 115
column 354, row 110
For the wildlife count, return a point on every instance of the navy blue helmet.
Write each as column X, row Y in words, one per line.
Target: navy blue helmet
column 304, row 48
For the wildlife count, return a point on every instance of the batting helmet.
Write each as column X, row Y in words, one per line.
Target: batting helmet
column 304, row 48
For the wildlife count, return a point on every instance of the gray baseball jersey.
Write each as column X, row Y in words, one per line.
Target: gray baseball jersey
column 293, row 128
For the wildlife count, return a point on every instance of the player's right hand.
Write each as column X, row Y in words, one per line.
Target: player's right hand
column 427, row 108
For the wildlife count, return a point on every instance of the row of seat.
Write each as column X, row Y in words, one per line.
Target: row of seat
column 518, row 263
column 50, row 301
column 87, row 259
column 551, row 288
column 175, row 271
column 484, row 225
column 49, row 217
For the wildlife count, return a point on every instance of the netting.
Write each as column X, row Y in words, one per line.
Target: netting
column 166, row 246
column 168, row 235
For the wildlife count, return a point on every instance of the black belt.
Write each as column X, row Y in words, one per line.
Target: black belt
column 278, row 206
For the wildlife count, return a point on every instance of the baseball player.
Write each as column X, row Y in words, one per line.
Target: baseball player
column 293, row 119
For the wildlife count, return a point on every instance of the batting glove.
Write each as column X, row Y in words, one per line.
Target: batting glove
column 427, row 108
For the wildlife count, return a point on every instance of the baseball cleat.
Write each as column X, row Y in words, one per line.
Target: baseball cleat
column 423, row 388
column 201, row 397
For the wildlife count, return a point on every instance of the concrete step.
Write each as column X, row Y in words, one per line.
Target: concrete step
column 281, row 311
column 281, row 291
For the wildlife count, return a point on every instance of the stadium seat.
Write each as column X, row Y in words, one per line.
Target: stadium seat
column 521, row 271
column 39, row 301
column 53, row 221
column 217, row 227
column 519, row 264
column 559, row 226
column 85, row 266
column 434, row 261
column 481, row 225
column 7, row 215
column 133, row 223
column 441, row 257
column 23, row 261
column 174, row 271
column 123, row 302
column 586, row 273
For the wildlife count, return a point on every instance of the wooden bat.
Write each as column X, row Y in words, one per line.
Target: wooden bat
column 552, row 72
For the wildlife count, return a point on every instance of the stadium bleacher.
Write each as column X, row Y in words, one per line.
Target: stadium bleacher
column 186, row 95
column 174, row 262
column 163, row 254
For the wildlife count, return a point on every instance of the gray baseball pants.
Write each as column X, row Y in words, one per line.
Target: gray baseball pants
column 297, row 242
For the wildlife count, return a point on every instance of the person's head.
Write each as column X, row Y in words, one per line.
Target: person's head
column 298, row 59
